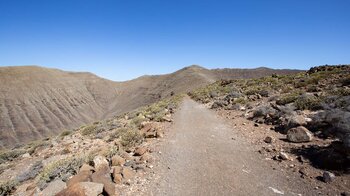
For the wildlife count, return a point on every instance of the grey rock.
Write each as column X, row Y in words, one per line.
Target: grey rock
column 328, row 176
column 299, row 134
column 296, row 120
column 268, row 139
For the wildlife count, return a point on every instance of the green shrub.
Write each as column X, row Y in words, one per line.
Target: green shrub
column 117, row 133
column 343, row 91
column 88, row 130
column 130, row 138
column 112, row 151
column 137, row 121
column 252, row 91
column 35, row 145
column 62, row 169
column 157, row 110
column 66, row 133
column 203, row 94
column 159, row 117
column 288, row 98
column 304, row 102
column 9, row 155
column 7, row 187
column 240, row 100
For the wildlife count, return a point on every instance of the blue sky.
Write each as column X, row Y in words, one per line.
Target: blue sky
column 123, row 39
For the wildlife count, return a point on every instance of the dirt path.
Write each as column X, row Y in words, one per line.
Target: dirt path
column 203, row 156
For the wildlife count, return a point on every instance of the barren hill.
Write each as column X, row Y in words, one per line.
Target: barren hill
column 37, row 102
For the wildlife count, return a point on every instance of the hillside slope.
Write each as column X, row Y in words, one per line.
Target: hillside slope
column 37, row 102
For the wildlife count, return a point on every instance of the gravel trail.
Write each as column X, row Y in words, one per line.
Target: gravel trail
column 202, row 155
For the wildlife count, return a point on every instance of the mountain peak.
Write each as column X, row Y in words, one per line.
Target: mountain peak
column 195, row 67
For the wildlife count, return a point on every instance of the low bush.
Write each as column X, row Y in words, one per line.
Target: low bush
column 130, row 138
column 66, row 133
column 288, row 98
column 308, row 102
column 88, row 130
column 9, row 155
column 7, row 187
column 117, row 133
column 241, row 100
column 31, row 147
column 252, row 91
column 137, row 121
column 112, row 151
column 62, row 169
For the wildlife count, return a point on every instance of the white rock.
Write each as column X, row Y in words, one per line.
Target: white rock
column 26, row 155
column 284, row 156
column 100, row 163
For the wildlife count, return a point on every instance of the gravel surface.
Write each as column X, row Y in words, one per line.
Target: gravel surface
column 203, row 155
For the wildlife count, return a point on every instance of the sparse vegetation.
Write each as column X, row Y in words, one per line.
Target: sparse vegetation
column 113, row 151
column 130, row 138
column 31, row 147
column 88, row 130
column 117, row 133
column 308, row 102
column 324, row 88
column 9, row 155
column 136, row 122
column 288, row 98
column 66, row 133
column 7, row 187
column 62, row 169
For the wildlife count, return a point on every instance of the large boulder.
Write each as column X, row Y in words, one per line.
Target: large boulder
column 117, row 160
column 54, row 187
column 83, row 189
column 82, row 176
column 299, row 134
column 101, row 163
column 104, row 177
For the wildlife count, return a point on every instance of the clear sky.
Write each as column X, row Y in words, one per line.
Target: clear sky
column 123, row 39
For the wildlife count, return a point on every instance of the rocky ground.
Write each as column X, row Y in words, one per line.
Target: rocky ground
column 299, row 121
column 102, row 158
column 276, row 135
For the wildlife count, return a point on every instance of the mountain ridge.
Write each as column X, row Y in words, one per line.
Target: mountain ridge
column 36, row 102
